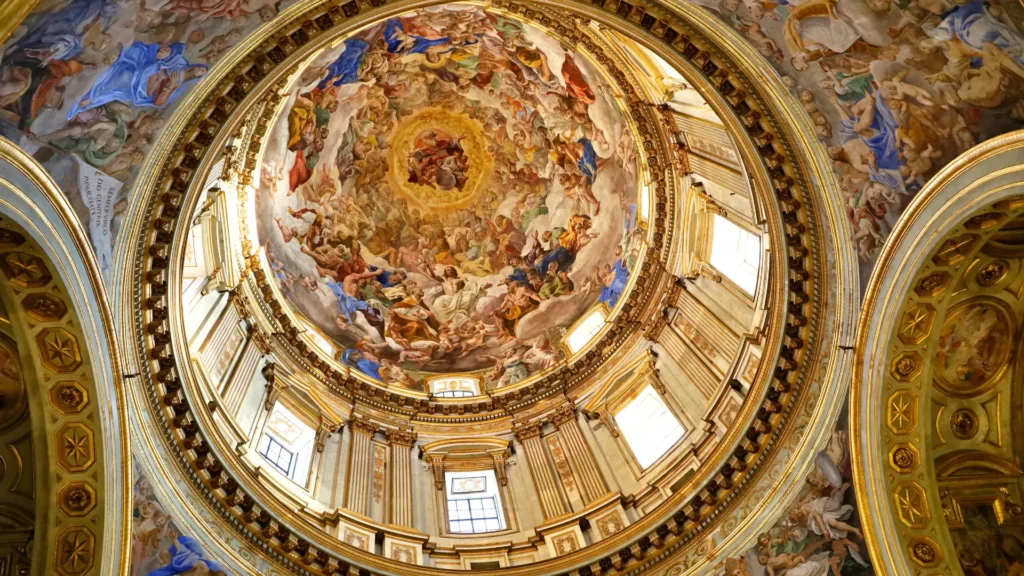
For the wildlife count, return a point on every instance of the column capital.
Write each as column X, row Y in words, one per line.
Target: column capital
column 323, row 431
column 526, row 431
column 565, row 413
column 401, row 437
column 436, row 463
column 274, row 387
column 364, row 425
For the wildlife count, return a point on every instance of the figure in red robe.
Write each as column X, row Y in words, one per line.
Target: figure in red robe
column 575, row 83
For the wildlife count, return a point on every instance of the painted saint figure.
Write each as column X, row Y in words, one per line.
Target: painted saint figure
column 143, row 75
column 188, row 558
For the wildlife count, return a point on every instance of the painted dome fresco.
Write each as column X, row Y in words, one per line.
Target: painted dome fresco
column 449, row 191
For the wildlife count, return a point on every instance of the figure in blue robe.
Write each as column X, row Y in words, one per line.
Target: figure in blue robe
column 975, row 26
column 356, row 359
column 398, row 41
column 518, row 276
column 610, row 294
column 185, row 553
column 588, row 160
column 349, row 305
column 385, row 278
column 345, row 69
column 128, row 78
column 882, row 143
column 560, row 255
column 61, row 32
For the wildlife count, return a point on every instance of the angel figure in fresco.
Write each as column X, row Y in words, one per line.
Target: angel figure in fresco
column 349, row 303
column 508, row 368
column 143, row 75
column 826, row 515
column 189, row 559
column 97, row 135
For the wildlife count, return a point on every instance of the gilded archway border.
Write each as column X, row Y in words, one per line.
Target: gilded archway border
column 52, row 288
column 903, row 521
column 799, row 237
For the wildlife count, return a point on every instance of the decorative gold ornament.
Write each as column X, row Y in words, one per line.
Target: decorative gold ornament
column 907, row 366
column 985, row 221
column 902, row 415
column 76, row 499
column 917, row 323
column 904, row 458
column 954, row 250
column 925, row 552
column 10, row 238
column 933, row 284
column 44, row 307
column 25, row 270
column 69, row 396
column 76, row 547
column 964, row 423
column 990, row 274
column 59, row 350
column 911, row 504
column 76, row 450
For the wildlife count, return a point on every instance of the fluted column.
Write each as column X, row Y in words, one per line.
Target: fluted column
column 360, row 467
column 551, row 502
column 698, row 373
column 581, row 458
column 400, row 442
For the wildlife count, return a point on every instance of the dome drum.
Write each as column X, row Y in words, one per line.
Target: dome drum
column 662, row 323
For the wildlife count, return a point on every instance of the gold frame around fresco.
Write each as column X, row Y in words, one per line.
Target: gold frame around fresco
column 711, row 54
column 976, row 182
column 81, row 405
column 429, row 197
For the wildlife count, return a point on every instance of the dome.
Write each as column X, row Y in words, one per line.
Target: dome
column 448, row 191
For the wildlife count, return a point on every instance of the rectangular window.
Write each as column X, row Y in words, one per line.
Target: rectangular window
column 454, row 387
column 287, row 444
column 735, row 253
column 474, row 504
column 454, row 394
column 279, row 456
column 585, row 330
column 649, row 426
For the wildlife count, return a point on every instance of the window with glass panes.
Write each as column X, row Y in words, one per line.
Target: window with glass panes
column 649, row 426
column 279, row 456
column 474, row 505
column 735, row 253
column 454, row 394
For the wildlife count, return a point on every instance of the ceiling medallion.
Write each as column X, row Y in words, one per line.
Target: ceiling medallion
column 991, row 273
column 439, row 160
column 964, row 423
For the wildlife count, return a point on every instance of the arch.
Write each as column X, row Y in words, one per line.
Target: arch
column 52, row 289
column 895, row 437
